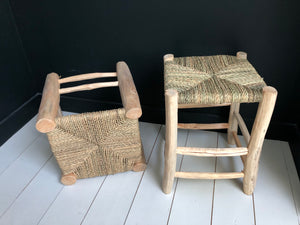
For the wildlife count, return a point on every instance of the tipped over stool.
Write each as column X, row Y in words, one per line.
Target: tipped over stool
column 96, row 143
column 212, row 81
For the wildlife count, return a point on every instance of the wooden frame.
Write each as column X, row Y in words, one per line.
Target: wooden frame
column 50, row 108
column 51, row 94
column 249, row 155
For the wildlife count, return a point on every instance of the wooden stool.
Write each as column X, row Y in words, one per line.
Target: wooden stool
column 97, row 143
column 211, row 81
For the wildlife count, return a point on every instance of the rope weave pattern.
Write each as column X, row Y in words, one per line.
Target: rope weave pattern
column 96, row 144
column 213, row 80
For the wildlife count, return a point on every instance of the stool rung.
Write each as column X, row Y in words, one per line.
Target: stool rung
column 212, row 151
column 189, row 106
column 198, row 175
column 202, row 126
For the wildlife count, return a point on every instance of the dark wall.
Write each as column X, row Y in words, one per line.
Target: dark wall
column 73, row 37
column 17, row 84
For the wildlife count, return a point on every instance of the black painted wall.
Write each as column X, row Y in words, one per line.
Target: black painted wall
column 74, row 37
column 17, row 82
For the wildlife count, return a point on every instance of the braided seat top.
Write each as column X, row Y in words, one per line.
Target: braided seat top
column 96, row 143
column 213, row 80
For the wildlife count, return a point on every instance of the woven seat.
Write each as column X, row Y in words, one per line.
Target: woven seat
column 213, row 80
column 96, row 144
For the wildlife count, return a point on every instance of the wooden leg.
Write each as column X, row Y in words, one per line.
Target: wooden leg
column 235, row 107
column 233, row 124
column 141, row 164
column 68, row 179
column 171, row 101
column 260, row 126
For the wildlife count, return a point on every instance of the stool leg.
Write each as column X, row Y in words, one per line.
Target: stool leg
column 235, row 107
column 233, row 124
column 171, row 102
column 260, row 126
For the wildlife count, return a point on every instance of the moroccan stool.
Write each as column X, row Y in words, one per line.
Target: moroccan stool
column 97, row 143
column 210, row 81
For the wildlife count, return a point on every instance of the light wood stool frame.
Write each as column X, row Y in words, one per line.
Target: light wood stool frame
column 250, row 155
column 50, row 108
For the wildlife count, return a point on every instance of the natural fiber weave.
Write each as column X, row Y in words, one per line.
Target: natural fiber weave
column 95, row 144
column 213, row 80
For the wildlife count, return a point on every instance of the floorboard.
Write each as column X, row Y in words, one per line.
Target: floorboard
column 31, row 193
column 193, row 198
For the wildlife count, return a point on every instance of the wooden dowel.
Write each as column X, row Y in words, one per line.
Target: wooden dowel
column 197, row 175
column 87, row 76
column 241, row 55
column 49, row 104
column 85, row 87
column 238, row 144
column 199, row 126
column 140, row 165
column 171, row 98
column 243, row 127
column 259, row 129
column 190, row 106
column 129, row 95
column 168, row 57
column 212, row 152
column 68, row 179
column 233, row 124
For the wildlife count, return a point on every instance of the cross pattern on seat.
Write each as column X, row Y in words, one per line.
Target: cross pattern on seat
column 213, row 80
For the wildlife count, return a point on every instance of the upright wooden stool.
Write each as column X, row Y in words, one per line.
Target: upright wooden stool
column 97, row 143
column 210, row 81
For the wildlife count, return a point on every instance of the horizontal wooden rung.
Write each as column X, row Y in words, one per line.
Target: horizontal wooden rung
column 190, row 106
column 88, row 87
column 199, row 175
column 207, row 152
column 203, row 126
column 86, row 76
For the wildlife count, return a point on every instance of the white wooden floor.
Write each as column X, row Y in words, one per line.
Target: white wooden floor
column 30, row 191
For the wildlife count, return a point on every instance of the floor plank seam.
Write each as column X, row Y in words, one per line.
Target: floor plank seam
column 291, row 187
column 25, row 187
column 176, row 183
column 40, row 220
column 214, row 186
column 92, row 201
column 158, row 133
column 21, row 153
column 254, row 214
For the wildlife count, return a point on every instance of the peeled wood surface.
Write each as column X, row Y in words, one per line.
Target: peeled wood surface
column 49, row 104
column 129, row 95
column 241, row 55
column 238, row 144
column 168, row 57
column 259, row 129
column 85, row 87
column 195, row 126
column 212, row 151
column 233, row 124
column 188, row 106
column 171, row 98
column 68, row 179
column 196, row 175
column 242, row 126
column 86, row 76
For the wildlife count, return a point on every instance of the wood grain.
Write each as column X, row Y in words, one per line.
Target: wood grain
column 129, row 95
